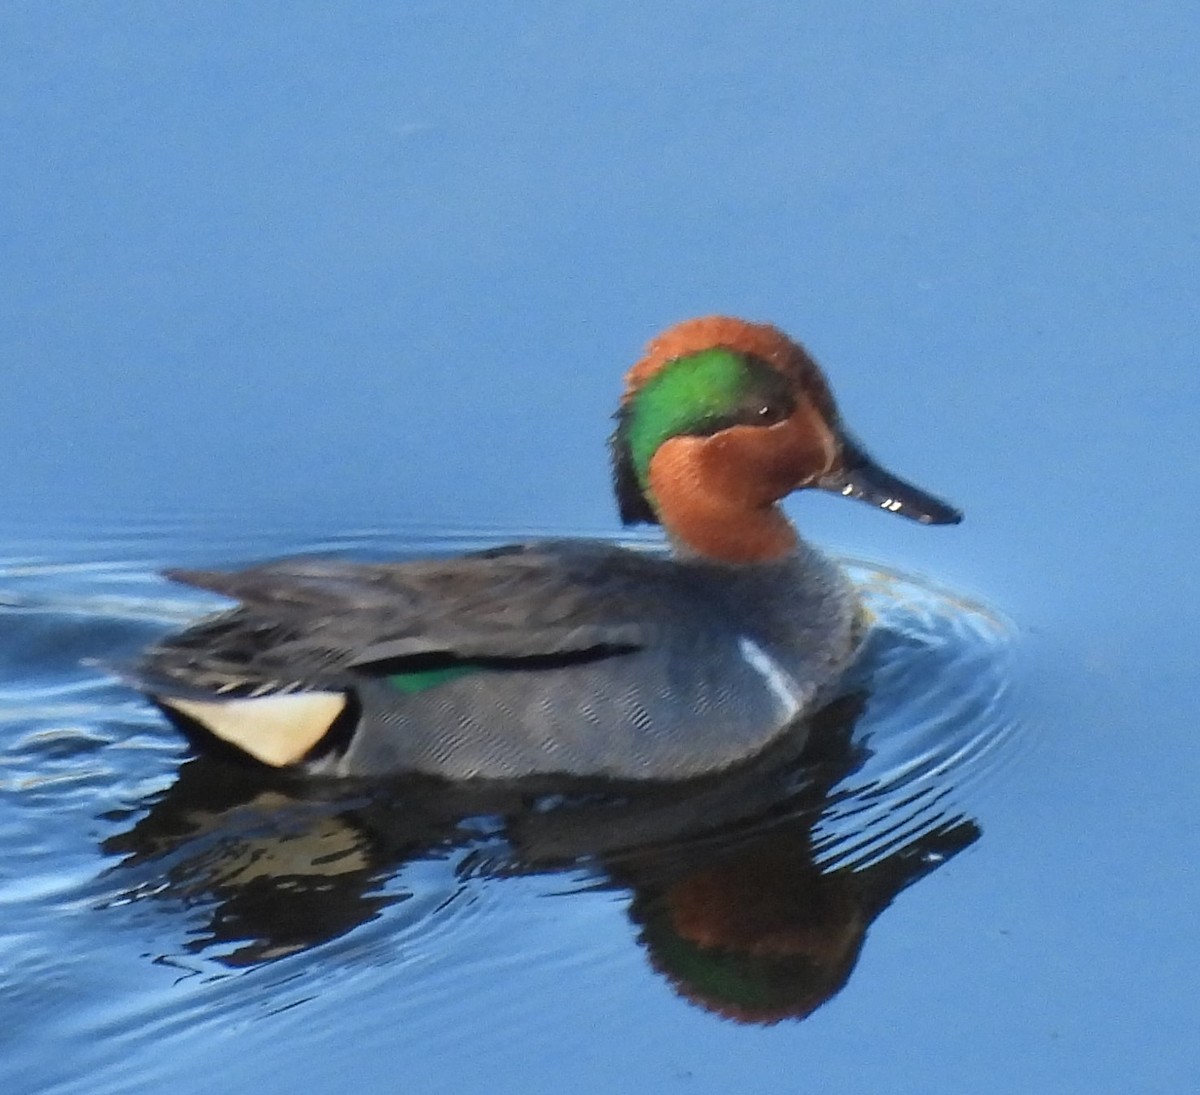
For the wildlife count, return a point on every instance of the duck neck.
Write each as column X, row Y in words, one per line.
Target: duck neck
column 718, row 495
column 717, row 505
column 724, row 534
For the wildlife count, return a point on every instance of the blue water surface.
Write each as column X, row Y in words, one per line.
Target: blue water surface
column 363, row 279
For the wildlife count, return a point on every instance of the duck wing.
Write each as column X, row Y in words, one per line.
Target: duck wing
column 304, row 623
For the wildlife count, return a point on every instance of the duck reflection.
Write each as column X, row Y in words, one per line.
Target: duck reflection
column 727, row 894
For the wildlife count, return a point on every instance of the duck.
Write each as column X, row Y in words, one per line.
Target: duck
column 568, row 657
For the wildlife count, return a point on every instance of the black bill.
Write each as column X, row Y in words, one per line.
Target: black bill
column 860, row 477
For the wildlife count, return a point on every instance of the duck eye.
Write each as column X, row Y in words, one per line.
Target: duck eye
column 767, row 414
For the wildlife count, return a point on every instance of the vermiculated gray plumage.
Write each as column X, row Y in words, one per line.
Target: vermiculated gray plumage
column 588, row 659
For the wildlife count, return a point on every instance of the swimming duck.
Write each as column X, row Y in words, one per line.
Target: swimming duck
column 581, row 658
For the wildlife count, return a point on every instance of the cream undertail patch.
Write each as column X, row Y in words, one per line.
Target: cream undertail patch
column 277, row 730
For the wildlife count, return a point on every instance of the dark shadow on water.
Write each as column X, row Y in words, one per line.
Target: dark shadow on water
column 726, row 890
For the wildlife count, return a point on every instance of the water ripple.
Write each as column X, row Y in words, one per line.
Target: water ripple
column 940, row 673
column 233, row 893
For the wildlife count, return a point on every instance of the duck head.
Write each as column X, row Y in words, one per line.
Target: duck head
column 723, row 418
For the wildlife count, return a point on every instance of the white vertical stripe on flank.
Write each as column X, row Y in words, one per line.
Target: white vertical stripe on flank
column 777, row 681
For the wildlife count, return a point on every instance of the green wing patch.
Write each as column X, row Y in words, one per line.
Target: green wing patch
column 418, row 680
